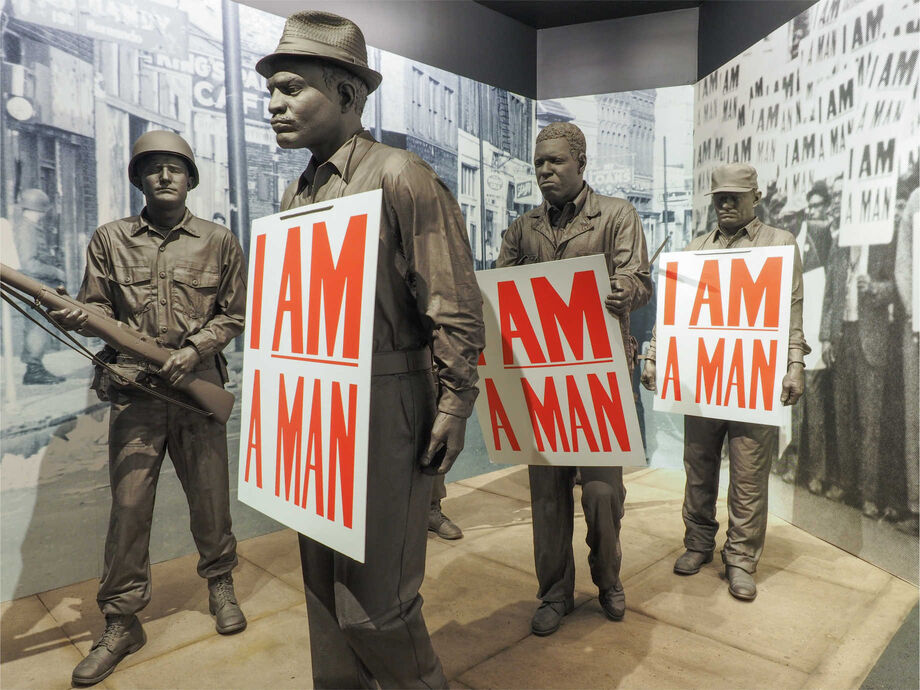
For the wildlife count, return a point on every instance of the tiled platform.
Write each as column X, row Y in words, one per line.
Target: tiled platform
column 821, row 619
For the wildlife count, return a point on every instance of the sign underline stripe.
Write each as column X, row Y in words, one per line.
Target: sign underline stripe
column 317, row 360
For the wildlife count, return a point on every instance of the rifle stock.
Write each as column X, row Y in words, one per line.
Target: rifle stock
column 211, row 397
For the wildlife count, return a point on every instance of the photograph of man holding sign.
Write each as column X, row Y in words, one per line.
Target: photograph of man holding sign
column 366, row 624
column 752, row 447
column 574, row 221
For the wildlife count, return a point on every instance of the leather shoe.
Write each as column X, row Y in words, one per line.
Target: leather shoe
column 690, row 562
column 442, row 525
column 871, row 511
column 909, row 526
column 123, row 635
column 223, row 605
column 613, row 601
column 740, row 583
column 548, row 617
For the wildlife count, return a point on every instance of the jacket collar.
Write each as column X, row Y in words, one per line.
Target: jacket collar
column 187, row 223
column 344, row 161
column 586, row 211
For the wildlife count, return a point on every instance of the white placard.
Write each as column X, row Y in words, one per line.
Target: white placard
column 723, row 332
column 307, row 368
column 554, row 386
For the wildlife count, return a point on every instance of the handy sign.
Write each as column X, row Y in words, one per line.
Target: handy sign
column 723, row 332
column 554, row 386
column 307, row 368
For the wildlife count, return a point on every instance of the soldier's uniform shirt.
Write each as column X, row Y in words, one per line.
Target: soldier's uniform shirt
column 181, row 287
column 589, row 224
column 365, row 619
column 751, row 447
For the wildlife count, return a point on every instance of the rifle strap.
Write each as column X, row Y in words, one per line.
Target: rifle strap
column 82, row 350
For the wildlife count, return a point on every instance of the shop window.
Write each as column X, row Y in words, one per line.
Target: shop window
column 12, row 48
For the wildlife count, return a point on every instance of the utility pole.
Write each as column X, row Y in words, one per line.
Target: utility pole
column 665, row 152
column 482, row 178
column 236, row 126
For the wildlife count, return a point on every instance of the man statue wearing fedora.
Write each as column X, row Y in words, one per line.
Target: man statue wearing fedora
column 366, row 625
column 177, row 279
column 751, row 447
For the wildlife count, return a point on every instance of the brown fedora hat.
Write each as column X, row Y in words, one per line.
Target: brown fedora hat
column 322, row 36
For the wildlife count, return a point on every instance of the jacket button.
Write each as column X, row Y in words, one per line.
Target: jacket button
column 162, row 329
column 162, row 249
column 162, row 274
column 195, row 282
column 162, row 301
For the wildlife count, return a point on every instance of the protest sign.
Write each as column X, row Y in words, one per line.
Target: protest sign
column 307, row 368
column 723, row 332
column 554, row 386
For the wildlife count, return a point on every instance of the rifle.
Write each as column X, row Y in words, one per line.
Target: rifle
column 214, row 400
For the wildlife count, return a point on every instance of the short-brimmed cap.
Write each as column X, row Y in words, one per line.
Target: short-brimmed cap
column 734, row 177
column 322, row 36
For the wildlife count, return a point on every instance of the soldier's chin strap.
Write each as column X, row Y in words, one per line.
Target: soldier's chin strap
column 82, row 350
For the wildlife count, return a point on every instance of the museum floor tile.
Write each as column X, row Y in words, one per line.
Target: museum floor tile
column 821, row 620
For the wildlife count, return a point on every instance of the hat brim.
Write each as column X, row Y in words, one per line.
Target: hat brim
column 731, row 189
column 266, row 66
column 134, row 176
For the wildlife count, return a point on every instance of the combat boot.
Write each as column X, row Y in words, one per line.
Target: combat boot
column 442, row 525
column 37, row 375
column 123, row 635
column 223, row 605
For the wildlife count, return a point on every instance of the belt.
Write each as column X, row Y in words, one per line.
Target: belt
column 400, row 362
column 142, row 364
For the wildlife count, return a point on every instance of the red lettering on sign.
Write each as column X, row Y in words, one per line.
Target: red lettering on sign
column 290, row 432
column 578, row 416
column 291, row 284
column 511, row 309
column 736, row 375
column 671, row 371
column 766, row 289
column 255, row 321
column 499, row 417
column 571, row 317
column 314, row 460
column 546, row 415
column 763, row 369
column 254, row 442
column 332, row 283
column 609, row 408
column 342, row 451
column 708, row 292
column 670, row 293
column 709, row 370
column 482, row 359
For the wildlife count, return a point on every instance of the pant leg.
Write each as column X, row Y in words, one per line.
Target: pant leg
column 870, row 381
column 751, row 451
column 197, row 447
column 137, row 443
column 911, row 365
column 846, row 423
column 35, row 343
column 377, row 603
column 334, row 663
column 603, row 495
column 553, row 514
column 438, row 490
column 702, row 457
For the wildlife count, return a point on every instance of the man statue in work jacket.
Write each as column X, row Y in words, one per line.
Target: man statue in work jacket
column 751, row 447
column 575, row 221
column 366, row 625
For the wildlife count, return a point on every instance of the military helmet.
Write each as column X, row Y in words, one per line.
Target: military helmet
column 34, row 200
column 161, row 141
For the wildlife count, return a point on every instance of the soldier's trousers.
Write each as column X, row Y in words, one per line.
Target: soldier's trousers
column 602, row 498
column 365, row 620
column 751, row 450
column 141, row 430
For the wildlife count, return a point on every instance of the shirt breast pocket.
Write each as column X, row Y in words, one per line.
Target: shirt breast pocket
column 133, row 287
column 194, row 290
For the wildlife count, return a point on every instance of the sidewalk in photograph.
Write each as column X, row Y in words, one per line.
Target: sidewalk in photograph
column 822, row 617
